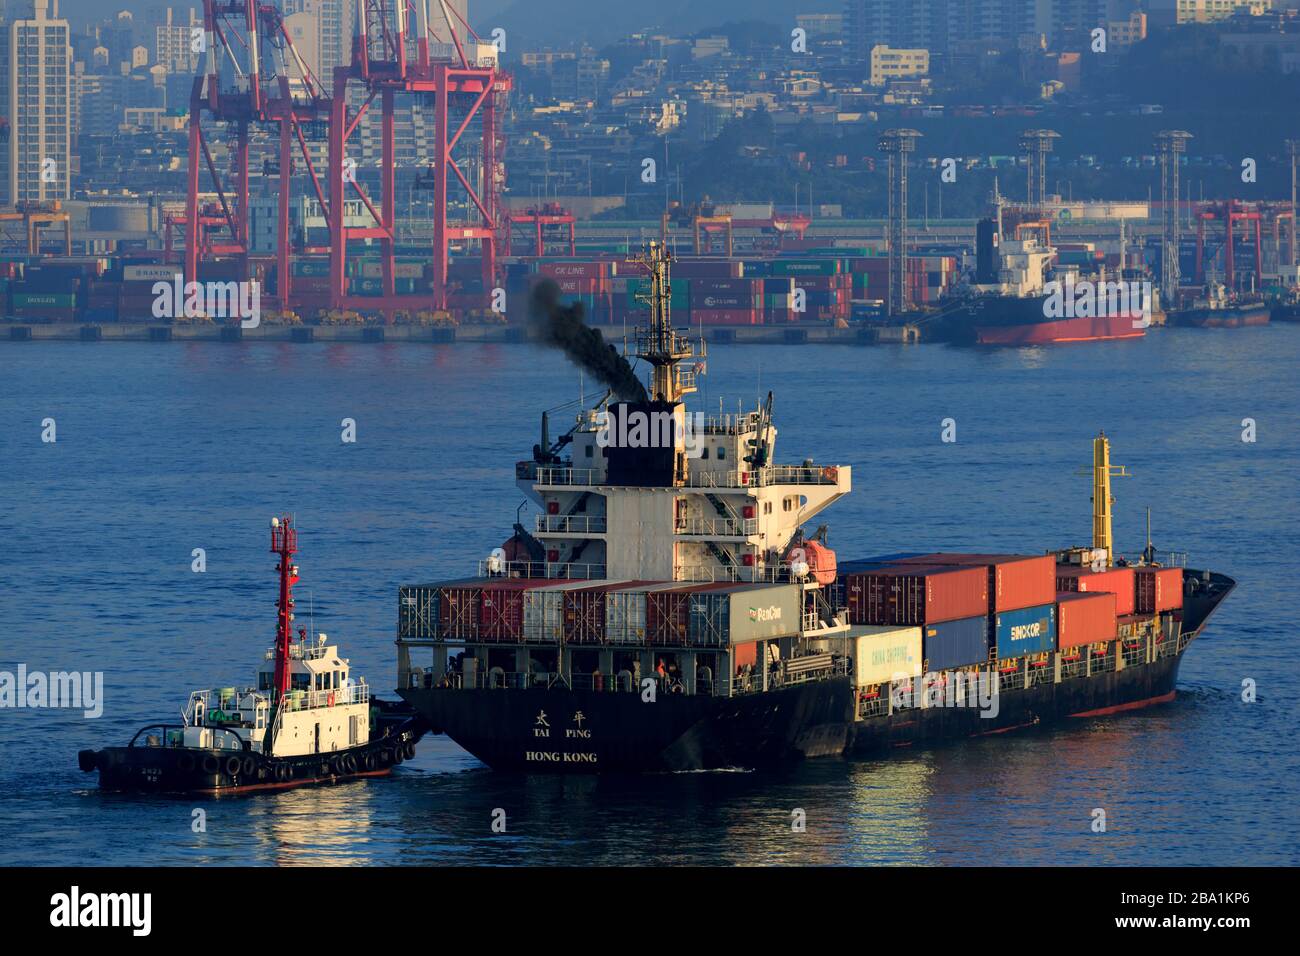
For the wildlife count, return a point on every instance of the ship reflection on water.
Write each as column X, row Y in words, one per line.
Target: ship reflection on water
column 312, row 826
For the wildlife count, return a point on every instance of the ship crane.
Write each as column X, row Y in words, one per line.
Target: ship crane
column 758, row 457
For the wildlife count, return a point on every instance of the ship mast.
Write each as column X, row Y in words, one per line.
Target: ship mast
column 658, row 343
column 1102, row 501
column 284, row 542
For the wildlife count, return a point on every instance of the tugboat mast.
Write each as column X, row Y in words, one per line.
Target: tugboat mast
column 284, row 542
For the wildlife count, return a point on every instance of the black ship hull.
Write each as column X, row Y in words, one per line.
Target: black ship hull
column 561, row 730
column 622, row 734
column 1232, row 317
column 189, row 770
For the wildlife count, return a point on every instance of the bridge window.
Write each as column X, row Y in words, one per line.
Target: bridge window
column 704, row 453
column 722, row 452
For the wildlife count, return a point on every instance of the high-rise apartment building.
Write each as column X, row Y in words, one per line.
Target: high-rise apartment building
column 174, row 46
column 35, row 70
column 943, row 25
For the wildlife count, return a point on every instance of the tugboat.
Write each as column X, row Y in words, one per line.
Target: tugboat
column 307, row 721
column 667, row 613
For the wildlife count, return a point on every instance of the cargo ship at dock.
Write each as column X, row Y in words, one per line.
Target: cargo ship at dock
column 668, row 610
column 1216, row 308
column 1022, row 295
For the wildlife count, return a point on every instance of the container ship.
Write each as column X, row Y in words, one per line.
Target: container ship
column 1217, row 309
column 308, row 720
column 669, row 611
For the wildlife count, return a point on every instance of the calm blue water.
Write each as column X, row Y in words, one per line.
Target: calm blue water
column 165, row 448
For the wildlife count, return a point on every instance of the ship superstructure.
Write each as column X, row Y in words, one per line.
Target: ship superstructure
column 651, row 490
column 667, row 609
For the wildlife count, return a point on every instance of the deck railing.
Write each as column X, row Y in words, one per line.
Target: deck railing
column 698, row 478
column 570, row 524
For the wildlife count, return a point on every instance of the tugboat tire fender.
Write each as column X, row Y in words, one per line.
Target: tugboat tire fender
column 232, row 766
column 370, row 761
column 408, row 750
column 249, row 766
column 211, row 764
column 350, row 764
column 186, row 763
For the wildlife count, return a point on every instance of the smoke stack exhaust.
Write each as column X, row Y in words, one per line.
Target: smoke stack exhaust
column 562, row 326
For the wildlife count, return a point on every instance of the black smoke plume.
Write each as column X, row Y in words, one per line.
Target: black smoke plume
column 563, row 327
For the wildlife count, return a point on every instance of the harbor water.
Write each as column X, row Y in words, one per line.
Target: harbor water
column 134, row 546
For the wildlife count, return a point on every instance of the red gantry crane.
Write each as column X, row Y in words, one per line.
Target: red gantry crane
column 396, row 53
column 255, row 76
column 1229, row 213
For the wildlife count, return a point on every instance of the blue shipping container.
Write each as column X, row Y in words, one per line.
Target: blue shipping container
column 1030, row 630
column 955, row 643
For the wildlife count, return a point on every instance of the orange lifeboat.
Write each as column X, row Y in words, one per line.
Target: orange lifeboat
column 819, row 557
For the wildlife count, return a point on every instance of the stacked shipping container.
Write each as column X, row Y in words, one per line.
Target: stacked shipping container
column 517, row 610
column 1117, row 581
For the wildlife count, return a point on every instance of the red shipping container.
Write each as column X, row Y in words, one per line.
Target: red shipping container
column 1015, row 580
column 667, row 612
column 913, row 594
column 458, row 610
column 1118, row 581
column 1158, row 589
column 576, row 270
column 584, row 611
column 501, row 608
column 1084, row 619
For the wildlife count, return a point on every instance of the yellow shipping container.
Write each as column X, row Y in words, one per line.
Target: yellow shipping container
column 885, row 653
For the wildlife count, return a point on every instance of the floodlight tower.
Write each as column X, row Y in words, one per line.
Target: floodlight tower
column 1170, row 146
column 1035, row 144
column 897, row 144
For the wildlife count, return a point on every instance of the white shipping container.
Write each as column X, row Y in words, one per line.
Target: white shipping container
column 884, row 653
column 544, row 608
column 544, row 611
column 625, row 613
